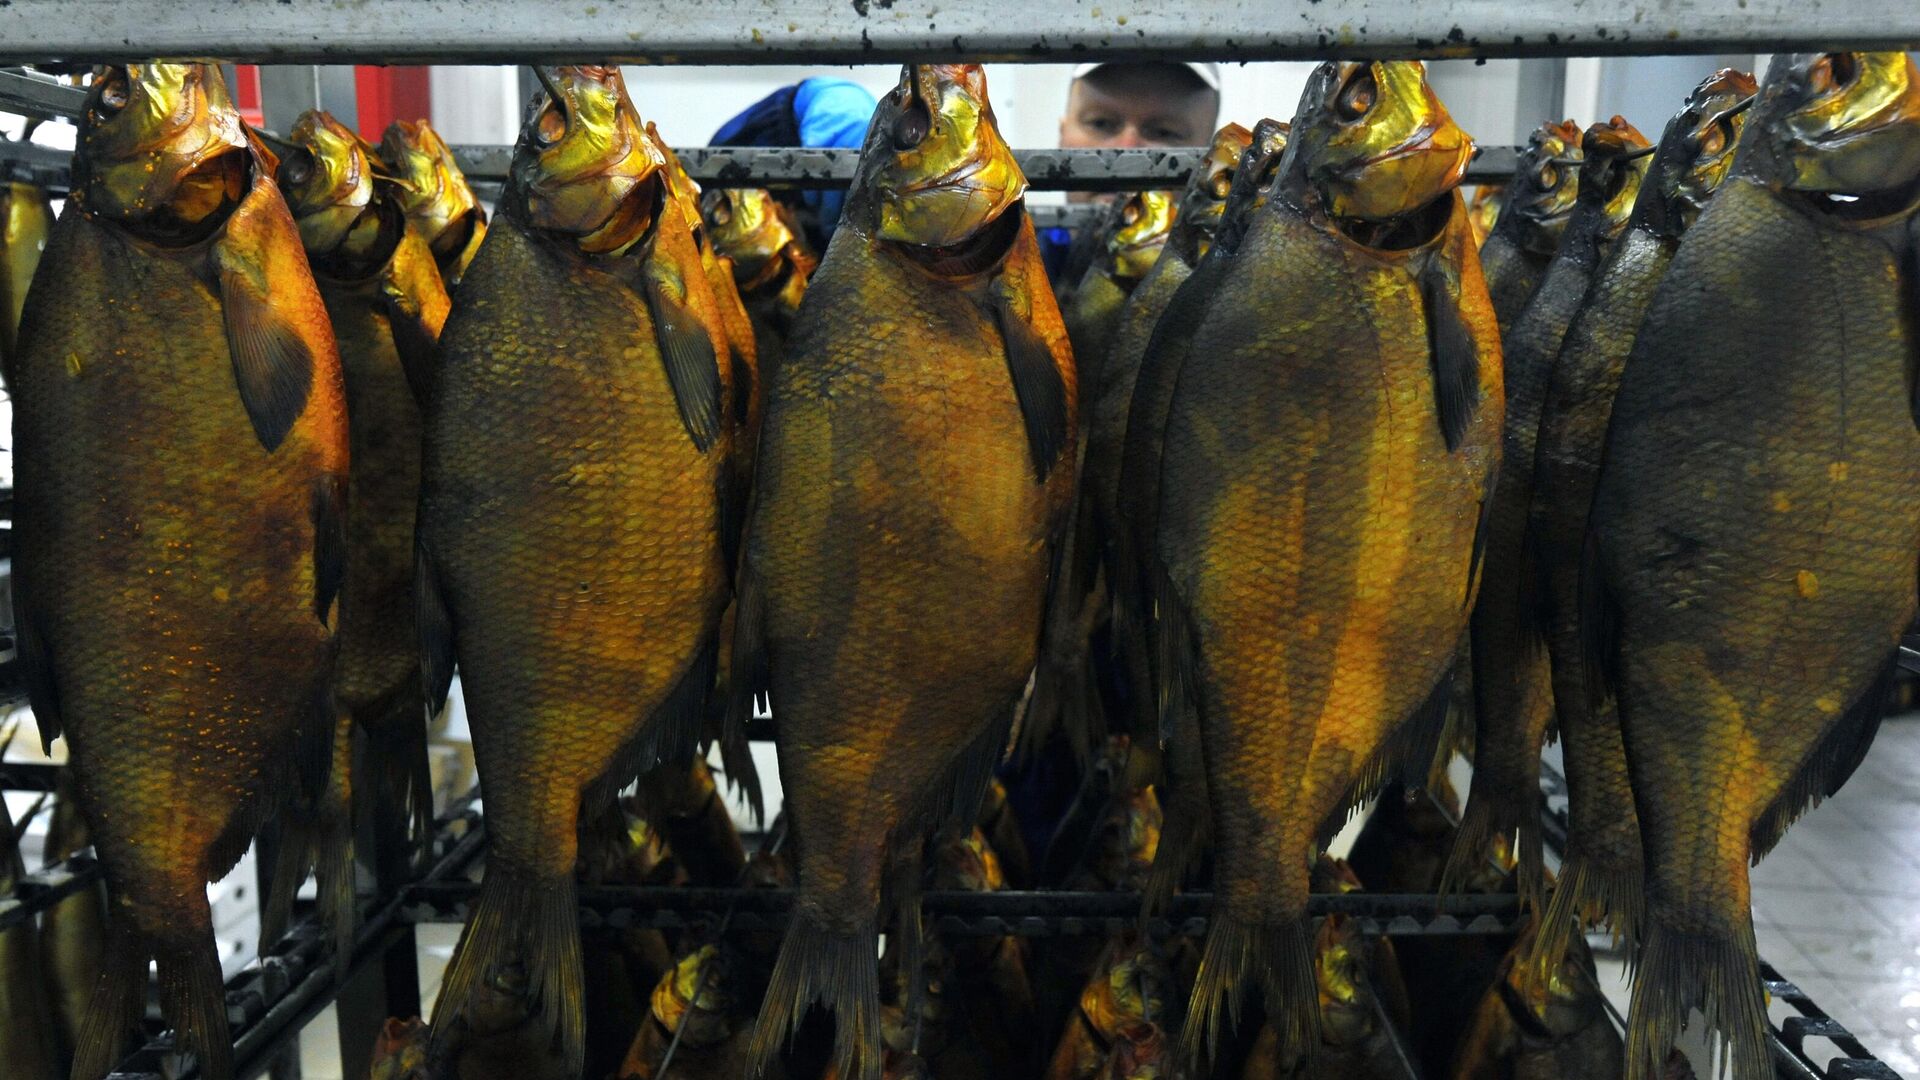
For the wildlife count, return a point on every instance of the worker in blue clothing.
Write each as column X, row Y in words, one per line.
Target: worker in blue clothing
column 1131, row 105
column 819, row 112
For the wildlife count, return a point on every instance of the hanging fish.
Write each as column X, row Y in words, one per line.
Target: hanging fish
column 384, row 298
column 1600, row 870
column 1484, row 210
column 1534, row 210
column 180, row 431
column 1128, row 987
column 578, row 580
column 26, row 217
column 771, row 260
column 28, row 1034
column 1542, row 1021
column 1313, row 585
column 435, row 195
column 1512, row 686
column 1755, row 530
column 915, row 469
column 73, row 932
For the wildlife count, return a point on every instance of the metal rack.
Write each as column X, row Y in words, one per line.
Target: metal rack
column 270, row 1003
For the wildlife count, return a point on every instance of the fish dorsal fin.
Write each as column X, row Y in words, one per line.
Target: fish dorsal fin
column 261, row 271
column 1599, row 627
column 687, row 351
column 435, row 627
column 1037, row 382
column 1451, row 350
column 329, row 542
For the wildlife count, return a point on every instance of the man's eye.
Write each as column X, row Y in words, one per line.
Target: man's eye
column 1164, row 136
column 1105, row 125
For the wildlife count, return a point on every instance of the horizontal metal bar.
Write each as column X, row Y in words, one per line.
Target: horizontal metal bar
column 38, row 96
column 1025, row 914
column 42, row 889
column 890, row 31
column 807, row 169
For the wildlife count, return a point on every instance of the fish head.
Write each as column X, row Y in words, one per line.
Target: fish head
column 161, row 150
column 1139, row 1052
column 1205, row 199
column 934, row 169
column 1372, row 142
column 1253, row 179
column 1840, row 126
column 1696, row 150
column 429, row 185
column 1484, row 209
column 1127, row 838
column 326, row 174
column 584, row 168
column 1545, row 186
column 692, row 998
column 968, row 863
column 1145, row 220
column 1130, row 986
column 1340, row 961
column 1613, row 162
column 1551, row 998
column 681, row 189
column 746, row 226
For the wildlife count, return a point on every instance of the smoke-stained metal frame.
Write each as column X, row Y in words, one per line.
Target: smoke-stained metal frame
column 894, row 31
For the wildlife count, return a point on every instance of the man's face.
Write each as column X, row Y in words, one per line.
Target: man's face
column 1138, row 105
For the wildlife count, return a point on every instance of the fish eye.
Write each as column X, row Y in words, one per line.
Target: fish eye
column 296, row 168
column 551, row 127
column 114, row 92
column 1831, row 72
column 1130, row 214
column 1222, row 183
column 910, row 128
column 1358, row 96
column 1714, row 139
column 1549, row 176
column 720, row 214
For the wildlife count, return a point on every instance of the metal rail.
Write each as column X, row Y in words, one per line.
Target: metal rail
column 42, row 889
column 891, row 31
column 39, row 96
column 793, row 168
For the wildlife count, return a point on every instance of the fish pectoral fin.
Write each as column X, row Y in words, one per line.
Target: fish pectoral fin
column 1037, row 383
column 748, row 676
column 1832, row 762
column 1599, row 627
column 1477, row 556
column 1406, row 756
column 689, row 354
column 36, row 667
column 435, row 626
column 415, row 339
column 329, row 542
column 1452, row 352
column 260, row 284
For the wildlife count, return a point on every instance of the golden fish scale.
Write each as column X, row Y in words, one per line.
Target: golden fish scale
column 1513, row 273
column 1092, row 315
column 1573, row 431
column 379, row 642
column 903, row 539
column 1318, row 531
column 1757, row 527
column 573, row 523
column 171, row 558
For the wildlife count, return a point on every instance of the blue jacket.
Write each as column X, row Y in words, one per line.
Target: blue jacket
column 817, row 112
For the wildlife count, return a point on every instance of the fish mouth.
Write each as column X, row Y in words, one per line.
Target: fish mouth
column 984, row 250
column 205, row 194
column 1407, row 232
column 1863, row 208
column 631, row 220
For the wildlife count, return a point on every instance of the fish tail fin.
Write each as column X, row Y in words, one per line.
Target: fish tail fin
column 1588, row 891
column 119, row 998
column 1830, row 764
column 1716, row 971
column 318, row 837
column 1185, row 821
column 1475, row 843
column 534, row 921
column 1280, row 956
column 838, row 969
column 194, row 1002
column 398, row 743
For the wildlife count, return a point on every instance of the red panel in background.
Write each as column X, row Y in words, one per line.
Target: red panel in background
column 246, row 93
column 386, row 94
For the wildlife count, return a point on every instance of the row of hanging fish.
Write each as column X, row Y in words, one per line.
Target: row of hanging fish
column 1290, row 511
column 1309, row 476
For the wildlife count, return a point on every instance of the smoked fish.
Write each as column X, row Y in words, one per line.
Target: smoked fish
column 1512, row 686
column 578, row 580
column 1328, row 452
column 1755, row 530
column 181, row 437
column 1541, row 1022
column 73, row 932
column 915, row 471
column 1600, row 871
column 28, row 1037
column 435, row 195
column 26, row 217
column 770, row 256
column 1534, row 210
